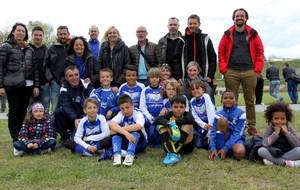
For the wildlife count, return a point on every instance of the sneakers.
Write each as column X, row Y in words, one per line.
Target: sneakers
column 128, row 160
column 172, row 158
column 267, row 162
column 293, row 164
column 175, row 131
column 117, row 160
column 167, row 158
column 16, row 152
column 252, row 132
column 46, row 151
column 60, row 143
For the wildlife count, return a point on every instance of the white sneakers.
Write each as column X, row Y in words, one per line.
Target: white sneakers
column 294, row 164
column 118, row 160
column 267, row 162
column 16, row 152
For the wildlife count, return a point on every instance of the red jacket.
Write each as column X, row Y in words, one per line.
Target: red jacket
column 255, row 46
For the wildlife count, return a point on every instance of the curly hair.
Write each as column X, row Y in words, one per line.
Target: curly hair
column 71, row 50
column 278, row 106
column 172, row 83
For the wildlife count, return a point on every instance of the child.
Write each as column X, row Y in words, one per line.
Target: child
column 128, row 131
column 92, row 133
column 203, row 111
column 176, row 131
column 151, row 103
column 36, row 134
column 281, row 144
column 169, row 89
column 227, row 134
column 106, row 97
column 132, row 87
column 193, row 70
column 167, row 72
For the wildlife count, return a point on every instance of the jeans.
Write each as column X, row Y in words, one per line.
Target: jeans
column 21, row 146
column 274, row 86
column 54, row 95
column 292, row 90
column 3, row 103
column 44, row 98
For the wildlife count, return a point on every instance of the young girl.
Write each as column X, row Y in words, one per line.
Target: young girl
column 193, row 70
column 36, row 134
column 167, row 72
column 203, row 111
column 281, row 144
column 169, row 89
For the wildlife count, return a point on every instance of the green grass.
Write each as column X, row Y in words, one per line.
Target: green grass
column 62, row 170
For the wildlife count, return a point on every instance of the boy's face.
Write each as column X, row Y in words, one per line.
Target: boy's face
column 154, row 81
column 91, row 110
column 170, row 91
column 131, row 77
column 178, row 109
column 228, row 100
column 105, row 78
column 127, row 109
column 197, row 92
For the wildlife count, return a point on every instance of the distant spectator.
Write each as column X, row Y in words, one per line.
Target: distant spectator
column 292, row 86
column 273, row 75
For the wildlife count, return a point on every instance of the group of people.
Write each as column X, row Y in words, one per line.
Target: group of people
column 104, row 94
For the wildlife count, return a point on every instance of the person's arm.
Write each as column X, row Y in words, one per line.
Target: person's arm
column 24, row 133
column 222, row 51
column 292, row 137
column 143, row 106
column 121, row 130
column 187, row 119
column 212, row 60
column 78, row 138
column 47, row 65
column 270, row 136
column 259, row 54
column 48, row 132
column 66, row 104
column 177, row 61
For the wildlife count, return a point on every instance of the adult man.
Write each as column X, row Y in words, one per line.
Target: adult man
column 167, row 44
column 144, row 55
column 55, row 62
column 292, row 86
column 39, row 48
column 273, row 75
column 195, row 46
column 94, row 42
column 71, row 99
column 241, row 60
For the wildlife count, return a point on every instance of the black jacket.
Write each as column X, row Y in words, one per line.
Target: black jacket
column 40, row 57
column 115, row 60
column 11, row 58
column 252, row 145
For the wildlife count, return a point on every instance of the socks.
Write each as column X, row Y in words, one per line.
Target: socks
column 81, row 150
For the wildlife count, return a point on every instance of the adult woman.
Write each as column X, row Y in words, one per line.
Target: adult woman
column 114, row 54
column 80, row 55
column 16, row 55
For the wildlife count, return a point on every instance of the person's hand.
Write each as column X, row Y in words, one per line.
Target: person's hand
column 87, row 80
column 112, row 132
column 163, row 111
column 222, row 153
column 207, row 127
column 30, row 145
column 92, row 149
column 47, row 84
column 2, row 92
column 36, row 92
column 277, row 129
column 115, row 89
column 208, row 139
column 180, row 81
column 76, row 122
column 84, row 139
column 109, row 114
column 208, row 79
column 130, row 138
column 284, row 129
column 212, row 154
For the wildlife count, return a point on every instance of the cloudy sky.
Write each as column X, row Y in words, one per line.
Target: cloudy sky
column 277, row 21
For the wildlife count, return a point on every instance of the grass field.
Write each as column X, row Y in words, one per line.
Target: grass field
column 62, row 170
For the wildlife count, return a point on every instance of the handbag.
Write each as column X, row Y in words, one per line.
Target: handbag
column 15, row 80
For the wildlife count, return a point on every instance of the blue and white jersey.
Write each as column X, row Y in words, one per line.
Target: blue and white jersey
column 151, row 102
column 203, row 110
column 134, row 93
column 136, row 118
column 167, row 104
column 94, row 132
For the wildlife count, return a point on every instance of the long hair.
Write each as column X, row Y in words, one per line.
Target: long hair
column 29, row 116
column 11, row 35
column 70, row 49
column 105, row 36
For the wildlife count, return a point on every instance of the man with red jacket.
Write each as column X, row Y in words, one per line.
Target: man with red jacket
column 241, row 60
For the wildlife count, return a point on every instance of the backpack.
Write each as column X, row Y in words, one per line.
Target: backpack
column 295, row 78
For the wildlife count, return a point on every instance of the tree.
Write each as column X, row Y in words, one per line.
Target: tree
column 3, row 35
column 49, row 35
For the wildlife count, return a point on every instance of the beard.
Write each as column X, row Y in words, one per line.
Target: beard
column 240, row 24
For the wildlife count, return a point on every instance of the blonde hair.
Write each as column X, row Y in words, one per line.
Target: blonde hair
column 172, row 83
column 194, row 63
column 90, row 100
column 105, row 36
column 155, row 72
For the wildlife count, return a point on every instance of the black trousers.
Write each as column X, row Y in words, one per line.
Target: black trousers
column 259, row 90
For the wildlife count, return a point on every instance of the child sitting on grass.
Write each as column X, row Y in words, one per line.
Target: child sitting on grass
column 128, row 132
column 176, row 130
column 281, row 143
column 36, row 134
column 92, row 133
column 227, row 134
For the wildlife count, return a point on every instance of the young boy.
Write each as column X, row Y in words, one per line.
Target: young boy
column 151, row 103
column 228, row 131
column 105, row 96
column 176, row 130
column 92, row 133
column 128, row 131
column 132, row 87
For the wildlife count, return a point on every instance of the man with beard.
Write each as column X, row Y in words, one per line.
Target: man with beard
column 195, row 46
column 241, row 60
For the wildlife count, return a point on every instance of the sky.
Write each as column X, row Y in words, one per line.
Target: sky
column 277, row 21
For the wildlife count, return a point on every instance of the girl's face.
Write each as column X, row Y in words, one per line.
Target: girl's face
column 19, row 33
column 112, row 35
column 166, row 73
column 78, row 47
column 38, row 114
column 197, row 92
column 279, row 119
column 193, row 72
column 228, row 100
column 170, row 91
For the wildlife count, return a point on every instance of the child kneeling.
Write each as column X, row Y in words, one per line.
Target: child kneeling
column 176, row 130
